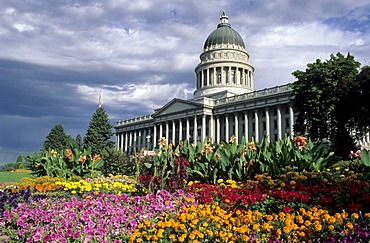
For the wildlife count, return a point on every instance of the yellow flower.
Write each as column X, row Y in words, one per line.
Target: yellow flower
column 331, row 227
column 252, row 146
column 307, row 223
column 349, row 225
column 162, row 142
column 318, row 227
column 232, row 139
column 355, row 215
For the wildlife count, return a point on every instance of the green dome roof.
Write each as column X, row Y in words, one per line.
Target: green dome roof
column 224, row 34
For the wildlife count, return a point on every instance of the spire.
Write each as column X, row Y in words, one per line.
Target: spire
column 99, row 100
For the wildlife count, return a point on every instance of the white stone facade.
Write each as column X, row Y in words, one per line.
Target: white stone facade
column 224, row 104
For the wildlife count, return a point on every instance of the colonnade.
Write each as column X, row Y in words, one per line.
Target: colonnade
column 225, row 75
column 272, row 122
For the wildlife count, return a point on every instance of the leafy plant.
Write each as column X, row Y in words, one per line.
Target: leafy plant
column 66, row 163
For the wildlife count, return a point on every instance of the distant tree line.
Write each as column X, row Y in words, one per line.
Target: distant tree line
column 98, row 138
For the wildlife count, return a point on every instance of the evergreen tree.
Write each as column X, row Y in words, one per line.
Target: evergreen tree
column 99, row 132
column 57, row 139
column 79, row 142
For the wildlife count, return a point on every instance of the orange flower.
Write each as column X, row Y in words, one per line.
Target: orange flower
column 96, row 157
column 53, row 153
column 232, row 139
column 82, row 159
column 69, row 154
column 207, row 148
column 300, row 141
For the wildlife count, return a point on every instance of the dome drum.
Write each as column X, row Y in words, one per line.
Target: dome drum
column 224, row 63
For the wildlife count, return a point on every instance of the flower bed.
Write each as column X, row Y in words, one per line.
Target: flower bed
column 329, row 206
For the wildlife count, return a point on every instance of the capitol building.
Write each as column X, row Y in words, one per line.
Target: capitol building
column 225, row 103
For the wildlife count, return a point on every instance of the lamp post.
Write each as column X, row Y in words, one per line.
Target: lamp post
column 148, row 141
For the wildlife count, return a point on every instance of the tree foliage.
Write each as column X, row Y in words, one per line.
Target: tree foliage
column 99, row 132
column 324, row 98
column 79, row 142
column 57, row 139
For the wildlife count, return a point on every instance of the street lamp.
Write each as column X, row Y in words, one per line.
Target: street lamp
column 148, row 141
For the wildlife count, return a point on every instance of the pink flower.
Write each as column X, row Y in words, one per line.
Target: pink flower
column 37, row 237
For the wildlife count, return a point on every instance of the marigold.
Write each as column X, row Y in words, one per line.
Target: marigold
column 349, row 225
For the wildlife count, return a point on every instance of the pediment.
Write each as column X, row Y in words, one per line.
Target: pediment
column 176, row 106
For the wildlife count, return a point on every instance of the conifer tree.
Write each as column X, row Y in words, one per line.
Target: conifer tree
column 99, row 132
column 79, row 142
column 57, row 139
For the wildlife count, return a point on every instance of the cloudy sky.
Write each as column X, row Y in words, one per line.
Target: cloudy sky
column 56, row 56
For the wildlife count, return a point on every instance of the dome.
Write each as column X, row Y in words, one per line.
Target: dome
column 224, row 34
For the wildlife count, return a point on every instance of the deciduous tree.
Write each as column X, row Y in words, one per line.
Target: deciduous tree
column 325, row 103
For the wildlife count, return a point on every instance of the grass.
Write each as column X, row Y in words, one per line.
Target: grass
column 13, row 176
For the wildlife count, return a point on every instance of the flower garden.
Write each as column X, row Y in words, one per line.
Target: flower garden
column 287, row 191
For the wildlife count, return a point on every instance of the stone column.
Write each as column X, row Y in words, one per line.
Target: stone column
column 279, row 123
column 167, row 133
column 204, row 127
column 135, row 141
column 256, row 126
column 223, row 81
column 126, row 141
column 218, row 129
column 195, row 130
column 187, row 129
column 173, row 132
column 267, row 114
column 180, row 130
column 202, row 79
column 246, row 126
column 130, row 143
column 229, row 78
column 214, row 76
column 212, row 128
column 236, row 124
column 208, row 78
column 160, row 131
column 291, row 121
column 154, row 136
column 227, row 135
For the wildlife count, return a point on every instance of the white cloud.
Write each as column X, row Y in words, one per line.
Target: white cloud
column 145, row 94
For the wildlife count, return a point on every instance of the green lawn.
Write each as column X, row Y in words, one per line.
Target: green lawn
column 13, row 176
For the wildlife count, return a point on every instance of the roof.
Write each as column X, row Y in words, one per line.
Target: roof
column 224, row 34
